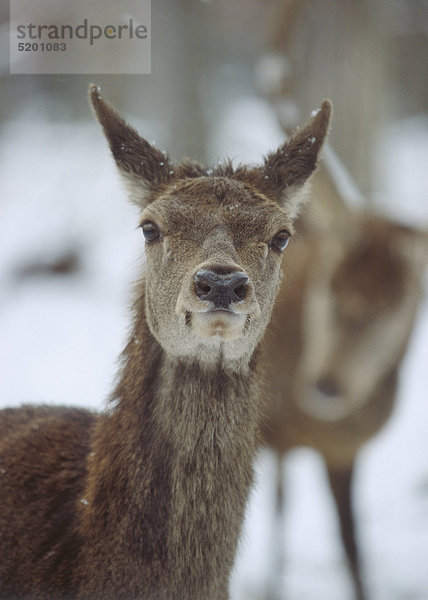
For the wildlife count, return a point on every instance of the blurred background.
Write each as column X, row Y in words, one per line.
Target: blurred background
column 69, row 248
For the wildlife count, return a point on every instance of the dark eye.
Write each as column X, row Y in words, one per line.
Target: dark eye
column 150, row 231
column 280, row 241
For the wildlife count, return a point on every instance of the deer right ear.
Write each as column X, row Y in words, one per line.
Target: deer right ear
column 286, row 171
column 142, row 166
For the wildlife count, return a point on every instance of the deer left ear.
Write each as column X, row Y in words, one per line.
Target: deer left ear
column 286, row 171
column 142, row 166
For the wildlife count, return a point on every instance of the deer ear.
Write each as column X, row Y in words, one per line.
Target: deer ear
column 142, row 166
column 286, row 171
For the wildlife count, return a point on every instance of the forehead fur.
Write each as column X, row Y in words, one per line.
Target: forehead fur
column 214, row 189
column 206, row 197
column 220, row 184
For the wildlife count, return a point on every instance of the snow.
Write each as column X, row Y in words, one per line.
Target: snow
column 61, row 335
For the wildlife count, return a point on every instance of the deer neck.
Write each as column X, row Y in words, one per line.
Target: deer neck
column 185, row 438
column 212, row 447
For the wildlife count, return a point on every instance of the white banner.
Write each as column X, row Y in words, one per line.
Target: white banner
column 80, row 37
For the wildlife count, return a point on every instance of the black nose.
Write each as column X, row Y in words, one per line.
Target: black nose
column 221, row 289
column 328, row 387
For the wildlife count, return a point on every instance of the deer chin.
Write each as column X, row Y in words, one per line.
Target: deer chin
column 223, row 324
column 322, row 408
column 327, row 408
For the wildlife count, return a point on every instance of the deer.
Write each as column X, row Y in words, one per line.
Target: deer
column 146, row 499
column 341, row 325
column 339, row 331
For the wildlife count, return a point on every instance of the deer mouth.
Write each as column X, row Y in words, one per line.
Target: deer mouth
column 217, row 322
column 322, row 407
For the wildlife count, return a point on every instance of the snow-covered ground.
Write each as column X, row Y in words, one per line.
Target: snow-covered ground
column 60, row 336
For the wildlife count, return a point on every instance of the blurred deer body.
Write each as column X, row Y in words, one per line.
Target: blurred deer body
column 342, row 322
column 338, row 333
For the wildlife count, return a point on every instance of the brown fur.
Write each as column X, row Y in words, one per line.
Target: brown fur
column 146, row 500
column 341, row 324
column 368, row 273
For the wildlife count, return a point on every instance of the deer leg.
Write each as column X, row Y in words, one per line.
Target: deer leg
column 341, row 487
column 274, row 585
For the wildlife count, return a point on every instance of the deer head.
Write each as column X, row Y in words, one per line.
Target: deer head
column 361, row 300
column 214, row 237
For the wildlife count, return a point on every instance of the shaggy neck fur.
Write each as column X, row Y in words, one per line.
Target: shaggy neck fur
column 170, row 484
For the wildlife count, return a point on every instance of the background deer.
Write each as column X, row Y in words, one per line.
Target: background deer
column 147, row 499
column 341, row 325
column 338, row 334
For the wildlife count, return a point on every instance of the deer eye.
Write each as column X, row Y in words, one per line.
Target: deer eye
column 150, row 231
column 280, row 241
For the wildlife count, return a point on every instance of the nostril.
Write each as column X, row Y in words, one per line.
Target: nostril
column 328, row 387
column 203, row 284
column 240, row 291
column 239, row 286
column 202, row 287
